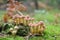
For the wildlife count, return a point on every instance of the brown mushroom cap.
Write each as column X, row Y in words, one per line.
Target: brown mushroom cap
column 36, row 25
column 27, row 16
column 27, row 19
column 16, row 16
column 41, row 23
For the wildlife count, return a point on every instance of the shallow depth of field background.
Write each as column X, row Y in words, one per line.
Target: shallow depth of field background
column 47, row 11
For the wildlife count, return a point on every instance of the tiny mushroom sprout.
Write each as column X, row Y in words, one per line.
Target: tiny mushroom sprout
column 14, row 32
column 11, row 29
column 16, row 27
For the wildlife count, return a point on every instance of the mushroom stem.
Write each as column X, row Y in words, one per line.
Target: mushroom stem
column 24, row 22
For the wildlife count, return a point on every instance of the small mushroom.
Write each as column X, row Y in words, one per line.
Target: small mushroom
column 36, row 28
column 11, row 29
column 16, row 27
column 32, row 28
column 41, row 23
column 14, row 32
column 32, row 19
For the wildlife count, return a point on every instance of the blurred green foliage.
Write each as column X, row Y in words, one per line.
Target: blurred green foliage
column 54, row 3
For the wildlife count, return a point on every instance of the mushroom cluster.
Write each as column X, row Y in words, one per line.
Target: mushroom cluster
column 21, row 19
column 37, row 28
column 14, row 30
column 25, row 20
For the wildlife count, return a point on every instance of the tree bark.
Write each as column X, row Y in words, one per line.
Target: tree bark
column 36, row 4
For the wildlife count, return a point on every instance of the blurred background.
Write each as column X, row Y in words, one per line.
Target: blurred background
column 35, row 4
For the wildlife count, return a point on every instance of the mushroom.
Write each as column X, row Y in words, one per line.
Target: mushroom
column 41, row 23
column 41, row 26
column 11, row 29
column 16, row 19
column 27, row 16
column 14, row 32
column 27, row 20
column 16, row 27
column 36, row 28
column 32, row 19
column 32, row 28
column 21, row 19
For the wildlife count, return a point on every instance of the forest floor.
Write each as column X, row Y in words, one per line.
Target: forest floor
column 52, row 31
